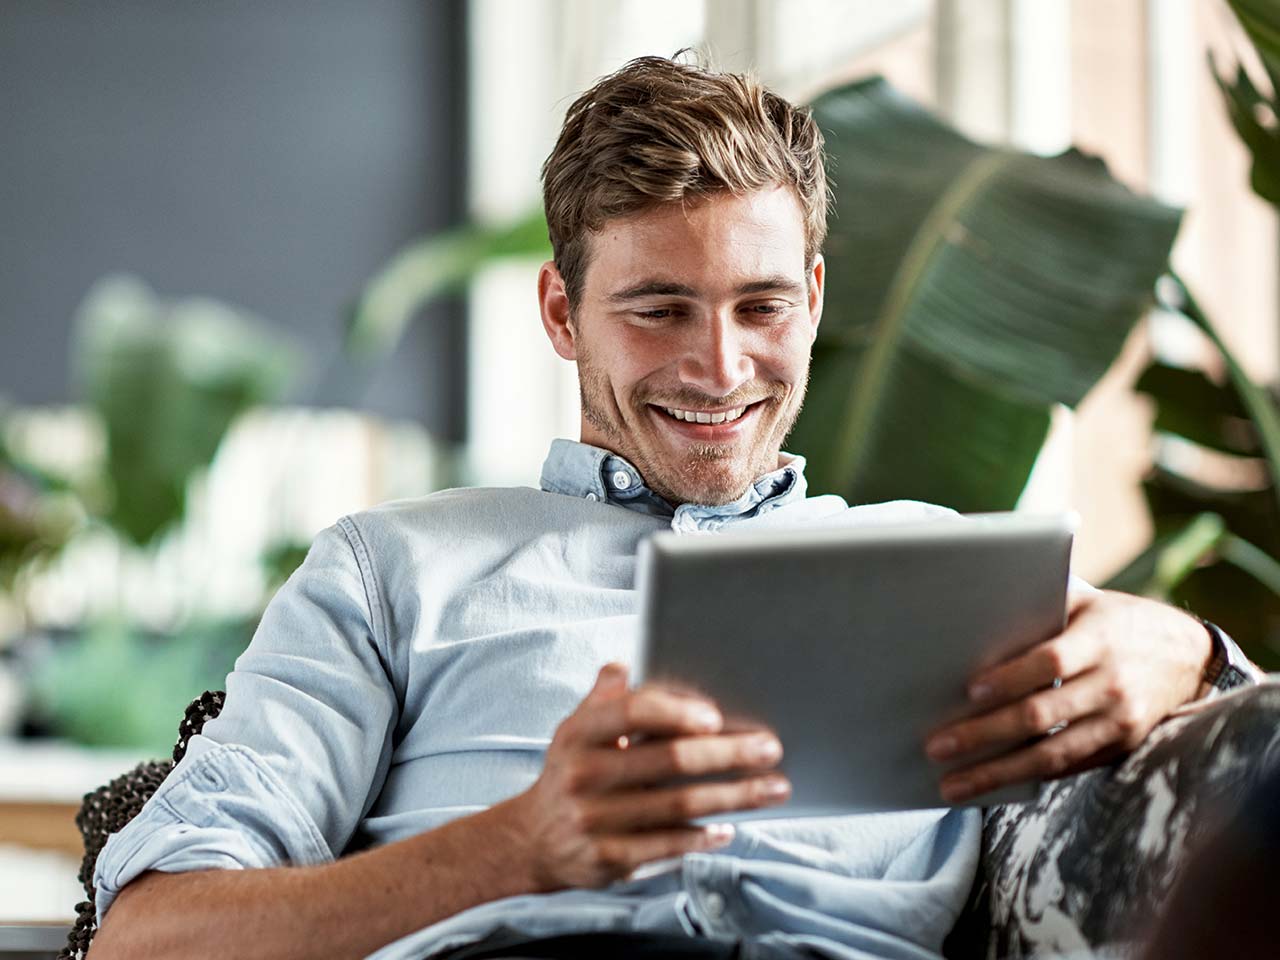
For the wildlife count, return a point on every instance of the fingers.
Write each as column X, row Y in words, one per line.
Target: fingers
column 1080, row 596
column 1067, row 655
column 1124, row 676
column 1089, row 740
column 665, row 759
column 672, row 806
column 1029, row 717
column 608, row 713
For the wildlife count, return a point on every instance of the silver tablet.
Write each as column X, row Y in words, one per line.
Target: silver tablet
column 852, row 643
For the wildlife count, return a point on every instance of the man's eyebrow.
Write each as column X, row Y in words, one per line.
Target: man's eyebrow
column 774, row 284
column 661, row 288
column 652, row 288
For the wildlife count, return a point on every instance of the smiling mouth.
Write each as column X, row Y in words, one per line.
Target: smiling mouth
column 703, row 416
column 719, row 424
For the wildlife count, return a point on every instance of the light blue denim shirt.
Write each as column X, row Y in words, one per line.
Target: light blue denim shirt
column 414, row 669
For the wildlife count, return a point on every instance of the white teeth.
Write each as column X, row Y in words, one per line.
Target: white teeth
column 695, row 416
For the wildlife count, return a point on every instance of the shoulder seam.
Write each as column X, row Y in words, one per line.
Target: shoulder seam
column 372, row 597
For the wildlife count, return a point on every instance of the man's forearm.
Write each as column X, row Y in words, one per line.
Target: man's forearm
column 597, row 811
column 344, row 909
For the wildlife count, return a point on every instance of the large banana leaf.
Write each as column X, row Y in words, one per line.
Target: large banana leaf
column 969, row 290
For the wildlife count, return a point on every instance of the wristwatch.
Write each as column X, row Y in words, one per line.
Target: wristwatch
column 1225, row 669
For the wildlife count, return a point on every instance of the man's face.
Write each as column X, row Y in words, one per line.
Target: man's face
column 692, row 339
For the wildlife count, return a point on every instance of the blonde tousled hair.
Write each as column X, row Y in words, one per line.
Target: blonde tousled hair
column 659, row 131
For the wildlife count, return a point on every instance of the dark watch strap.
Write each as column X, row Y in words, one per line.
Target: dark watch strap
column 1227, row 667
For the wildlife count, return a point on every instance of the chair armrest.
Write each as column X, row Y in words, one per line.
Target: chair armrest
column 109, row 809
column 1093, row 858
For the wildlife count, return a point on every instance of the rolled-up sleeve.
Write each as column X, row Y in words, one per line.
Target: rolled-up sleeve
column 296, row 758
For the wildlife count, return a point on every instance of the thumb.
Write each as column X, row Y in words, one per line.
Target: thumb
column 611, row 679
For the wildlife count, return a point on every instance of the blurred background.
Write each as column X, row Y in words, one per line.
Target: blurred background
column 264, row 264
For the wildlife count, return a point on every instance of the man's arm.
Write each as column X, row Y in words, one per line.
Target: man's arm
column 348, row 908
column 599, row 809
column 1125, row 663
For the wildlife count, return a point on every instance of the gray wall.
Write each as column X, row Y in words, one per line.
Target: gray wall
column 271, row 153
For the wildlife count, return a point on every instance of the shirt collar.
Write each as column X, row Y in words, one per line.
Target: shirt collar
column 592, row 473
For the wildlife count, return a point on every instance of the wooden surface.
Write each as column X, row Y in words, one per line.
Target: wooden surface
column 42, row 783
column 41, row 826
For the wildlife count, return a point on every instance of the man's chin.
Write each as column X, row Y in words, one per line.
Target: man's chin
column 698, row 484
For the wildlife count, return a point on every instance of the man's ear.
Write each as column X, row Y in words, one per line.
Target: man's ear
column 817, row 279
column 553, row 301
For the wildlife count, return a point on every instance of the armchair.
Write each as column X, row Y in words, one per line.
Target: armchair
column 1088, row 864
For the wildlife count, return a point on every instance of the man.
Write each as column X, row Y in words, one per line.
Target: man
column 440, row 692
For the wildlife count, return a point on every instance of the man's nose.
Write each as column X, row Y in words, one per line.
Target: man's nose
column 714, row 359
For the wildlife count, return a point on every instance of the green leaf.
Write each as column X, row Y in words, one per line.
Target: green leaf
column 167, row 380
column 1245, row 108
column 1171, row 557
column 1238, row 603
column 1256, row 400
column 1256, row 562
column 431, row 268
column 1190, row 405
column 1246, row 604
column 111, row 684
column 1255, row 117
column 1261, row 22
column 1198, row 563
column 969, row 289
column 1177, row 550
column 1173, row 498
column 945, row 420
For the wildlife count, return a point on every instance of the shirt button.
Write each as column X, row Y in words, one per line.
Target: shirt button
column 713, row 904
column 621, row 479
column 592, row 497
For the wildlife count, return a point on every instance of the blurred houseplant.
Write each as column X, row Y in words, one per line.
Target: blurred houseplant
column 36, row 515
column 165, row 380
column 1217, row 538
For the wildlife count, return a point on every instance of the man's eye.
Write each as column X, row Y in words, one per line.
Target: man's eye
column 767, row 309
column 662, row 313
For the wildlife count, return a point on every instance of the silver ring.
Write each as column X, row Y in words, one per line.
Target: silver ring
column 1057, row 727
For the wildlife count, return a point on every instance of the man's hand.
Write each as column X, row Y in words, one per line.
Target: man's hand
column 604, row 803
column 1125, row 664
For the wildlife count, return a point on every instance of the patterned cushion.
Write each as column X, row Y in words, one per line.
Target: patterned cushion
column 1093, row 859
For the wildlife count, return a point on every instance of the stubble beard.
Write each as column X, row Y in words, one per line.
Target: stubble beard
column 700, row 475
